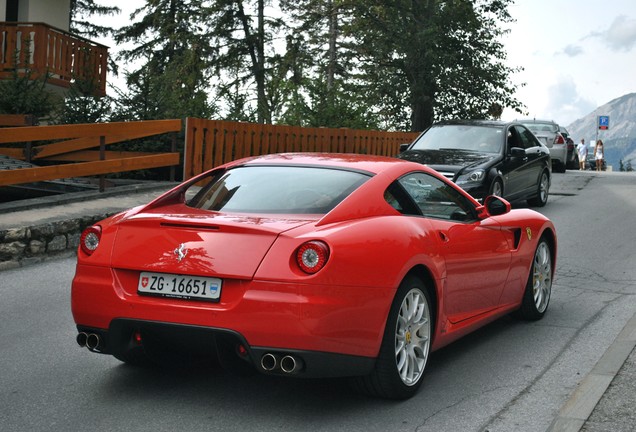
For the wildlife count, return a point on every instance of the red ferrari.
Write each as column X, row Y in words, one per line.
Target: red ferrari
column 315, row 265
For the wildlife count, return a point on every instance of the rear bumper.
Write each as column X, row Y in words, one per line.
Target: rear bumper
column 559, row 153
column 120, row 338
column 280, row 316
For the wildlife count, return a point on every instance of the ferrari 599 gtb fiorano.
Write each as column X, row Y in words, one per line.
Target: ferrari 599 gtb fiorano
column 313, row 265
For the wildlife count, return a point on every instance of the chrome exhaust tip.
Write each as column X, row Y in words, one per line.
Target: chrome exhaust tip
column 93, row 342
column 81, row 339
column 290, row 364
column 269, row 362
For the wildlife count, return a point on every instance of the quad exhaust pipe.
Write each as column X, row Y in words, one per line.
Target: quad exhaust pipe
column 92, row 341
column 288, row 364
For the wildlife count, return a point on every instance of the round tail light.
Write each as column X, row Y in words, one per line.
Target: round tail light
column 89, row 240
column 312, row 256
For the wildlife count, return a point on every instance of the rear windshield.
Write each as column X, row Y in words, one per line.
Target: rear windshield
column 542, row 127
column 278, row 189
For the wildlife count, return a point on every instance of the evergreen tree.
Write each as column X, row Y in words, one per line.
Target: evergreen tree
column 81, row 12
column 246, row 57
column 24, row 92
column 322, row 90
column 175, row 57
column 427, row 60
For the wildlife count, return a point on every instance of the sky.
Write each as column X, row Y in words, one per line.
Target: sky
column 576, row 55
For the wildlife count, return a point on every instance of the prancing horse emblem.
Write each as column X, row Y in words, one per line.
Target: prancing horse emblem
column 181, row 252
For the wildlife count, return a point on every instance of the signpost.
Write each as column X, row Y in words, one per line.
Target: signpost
column 602, row 123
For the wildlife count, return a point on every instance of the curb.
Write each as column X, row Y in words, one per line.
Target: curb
column 575, row 412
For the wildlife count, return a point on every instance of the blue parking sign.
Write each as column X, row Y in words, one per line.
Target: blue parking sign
column 603, row 122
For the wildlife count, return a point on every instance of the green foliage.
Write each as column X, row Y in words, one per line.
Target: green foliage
column 81, row 24
column 346, row 63
column 81, row 103
column 438, row 59
column 24, row 92
column 172, row 80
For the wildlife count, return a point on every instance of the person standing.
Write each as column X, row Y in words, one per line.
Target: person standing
column 581, row 149
column 599, row 155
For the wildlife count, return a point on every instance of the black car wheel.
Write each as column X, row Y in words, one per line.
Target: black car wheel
column 405, row 346
column 496, row 188
column 543, row 191
column 574, row 163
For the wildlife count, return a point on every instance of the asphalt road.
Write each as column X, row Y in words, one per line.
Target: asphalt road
column 511, row 375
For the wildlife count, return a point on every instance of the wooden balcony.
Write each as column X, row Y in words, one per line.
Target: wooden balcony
column 48, row 51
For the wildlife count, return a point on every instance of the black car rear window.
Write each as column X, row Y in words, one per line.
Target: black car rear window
column 278, row 190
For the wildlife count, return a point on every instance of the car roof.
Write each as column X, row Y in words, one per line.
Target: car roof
column 538, row 121
column 501, row 124
column 369, row 163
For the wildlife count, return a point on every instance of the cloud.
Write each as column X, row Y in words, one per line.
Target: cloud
column 621, row 35
column 573, row 50
column 564, row 102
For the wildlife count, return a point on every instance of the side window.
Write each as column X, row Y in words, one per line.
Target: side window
column 527, row 137
column 436, row 199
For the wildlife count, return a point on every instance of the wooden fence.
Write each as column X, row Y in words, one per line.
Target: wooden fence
column 16, row 120
column 210, row 143
column 71, row 143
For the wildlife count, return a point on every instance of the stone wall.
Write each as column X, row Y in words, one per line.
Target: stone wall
column 34, row 244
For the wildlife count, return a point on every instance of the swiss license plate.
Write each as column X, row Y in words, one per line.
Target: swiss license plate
column 179, row 286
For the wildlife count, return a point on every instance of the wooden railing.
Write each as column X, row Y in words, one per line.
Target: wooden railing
column 210, row 143
column 48, row 51
column 72, row 144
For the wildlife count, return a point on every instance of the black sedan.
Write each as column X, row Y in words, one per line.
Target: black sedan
column 486, row 158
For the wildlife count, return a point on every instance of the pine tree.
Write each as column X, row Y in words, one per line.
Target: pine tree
column 427, row 60
column 173, row 57
column 81, row 12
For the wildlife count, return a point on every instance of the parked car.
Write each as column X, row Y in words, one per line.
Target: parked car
column 486, row 158
column 310, row 265
column 591, row 161
column 572, row 158
column 548, row 132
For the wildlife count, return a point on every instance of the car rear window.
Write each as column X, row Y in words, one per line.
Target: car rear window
column 278, row 189
column 542, row 127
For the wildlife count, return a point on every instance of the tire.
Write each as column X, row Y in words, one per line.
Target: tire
column 574, row 163
column 543, row 191
column 559, row 167
column 536, row 296
column 405, row 346
column 496, row 188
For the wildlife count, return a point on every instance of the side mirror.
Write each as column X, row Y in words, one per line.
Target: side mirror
column 517, row 152
column 493, row 206
column 404, row 146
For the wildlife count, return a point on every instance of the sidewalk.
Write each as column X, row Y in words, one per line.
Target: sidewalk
column 604, row 401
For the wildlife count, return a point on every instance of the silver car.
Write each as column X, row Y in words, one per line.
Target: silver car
column 548, row 132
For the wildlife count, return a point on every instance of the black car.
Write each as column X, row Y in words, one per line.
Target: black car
column 486, row 158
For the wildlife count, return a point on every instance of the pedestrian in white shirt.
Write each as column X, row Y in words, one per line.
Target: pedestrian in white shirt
column 581, row 149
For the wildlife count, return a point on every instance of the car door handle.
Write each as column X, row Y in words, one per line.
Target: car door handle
column 443, row 236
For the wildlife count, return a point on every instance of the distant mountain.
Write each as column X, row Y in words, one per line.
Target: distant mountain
column 620, row 139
